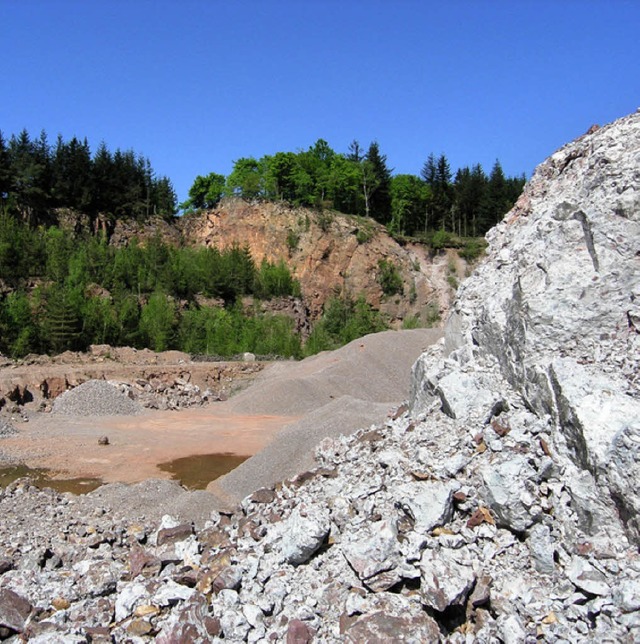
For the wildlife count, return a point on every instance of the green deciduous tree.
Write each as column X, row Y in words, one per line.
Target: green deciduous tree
column 409, row 196
column 158, row 322
column 246, row 179
column 205, row 192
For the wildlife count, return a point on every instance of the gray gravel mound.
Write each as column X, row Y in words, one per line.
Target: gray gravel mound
column 376, row 368
column 7, row 429
column 335, row 393
column 292, row 451
column 95, row 398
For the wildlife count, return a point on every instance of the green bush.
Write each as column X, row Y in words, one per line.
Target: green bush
column 431, row 314
column 293, row 239
column 342, row 321
column 324, row 219
column 441, row 239
column 473, row 248
column 412, row 322
column 389, row 278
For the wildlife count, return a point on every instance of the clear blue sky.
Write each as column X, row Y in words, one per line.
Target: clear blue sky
column 196, row 84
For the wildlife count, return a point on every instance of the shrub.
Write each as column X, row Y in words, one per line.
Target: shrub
column 325, row 219
column 342, row 321
column 441, row 239
column 432, row 314
column 412, row 322
column 293, row 239
column 473, row 248
column 389, row 278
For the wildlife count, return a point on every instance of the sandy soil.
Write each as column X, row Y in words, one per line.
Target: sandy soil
column 69, row 446
column 331, row 393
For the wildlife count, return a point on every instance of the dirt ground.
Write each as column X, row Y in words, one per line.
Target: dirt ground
column 137, row 444
column 333, row 392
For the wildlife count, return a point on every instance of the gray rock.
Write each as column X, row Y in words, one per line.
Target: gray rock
column 585, row 577
column 443, row 581
column 302, row 533
column 542, row 548
column 463, row 395
column 429, row 504
column 512, row 629
column 374, row 551
column 627, row 595
column 505, row 480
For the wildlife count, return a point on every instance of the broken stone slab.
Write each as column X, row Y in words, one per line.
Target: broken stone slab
column 593, row 513
column 130, row 595
column 586, row 578
column 14, row 610
column 174, row 534
column 444, row 582
column 428, row 503
column 375, row 550
column 170, row 593
column 627, row 595
column 507, row 494
column 541, row 547
column 384, row 627
column 298, row 632
column 591, row 411
column 512, row 629
column 464, row 395
column 302, row 533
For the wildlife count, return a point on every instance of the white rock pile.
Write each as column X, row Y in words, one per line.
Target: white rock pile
column 95, row 398
column 502, row 506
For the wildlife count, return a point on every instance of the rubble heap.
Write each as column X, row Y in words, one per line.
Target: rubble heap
column 501, row 505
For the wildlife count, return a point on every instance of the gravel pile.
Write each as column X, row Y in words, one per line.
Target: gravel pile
column 7, row 429
column 95, row 398
column 375, row 368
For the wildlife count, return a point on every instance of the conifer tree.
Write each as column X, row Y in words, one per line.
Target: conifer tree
column 380, row 196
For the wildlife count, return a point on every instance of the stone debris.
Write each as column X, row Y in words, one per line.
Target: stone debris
column 6, row 428
column 95, row 398
column 168, row 393
column 513, row 520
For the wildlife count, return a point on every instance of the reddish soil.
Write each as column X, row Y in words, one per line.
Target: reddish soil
column 137, row 444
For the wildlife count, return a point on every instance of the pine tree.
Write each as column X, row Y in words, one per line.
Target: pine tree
column 62, row 322
column 5, row 175
column 380, row 197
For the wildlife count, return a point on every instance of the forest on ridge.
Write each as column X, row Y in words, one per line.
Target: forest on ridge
column 361, row 183
column 62, row 289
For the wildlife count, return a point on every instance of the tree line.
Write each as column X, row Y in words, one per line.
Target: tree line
column 153, row 295
column 361, row 183
column 37, row 177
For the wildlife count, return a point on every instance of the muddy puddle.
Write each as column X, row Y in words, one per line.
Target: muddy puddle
column 44, row 478
column 196, row 472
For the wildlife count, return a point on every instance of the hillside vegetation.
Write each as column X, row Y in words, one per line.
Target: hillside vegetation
column 91, row 251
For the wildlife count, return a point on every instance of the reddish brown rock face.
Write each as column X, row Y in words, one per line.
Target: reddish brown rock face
column 332, row 253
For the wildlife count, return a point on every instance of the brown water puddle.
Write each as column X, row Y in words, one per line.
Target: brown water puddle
column 44, row 478
column 196, row 472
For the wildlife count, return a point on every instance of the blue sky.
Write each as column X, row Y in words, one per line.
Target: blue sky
column 197, row 84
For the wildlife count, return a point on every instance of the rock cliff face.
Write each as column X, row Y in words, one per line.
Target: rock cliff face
column 555, row 310
column 331, row 254
column 502, row 506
